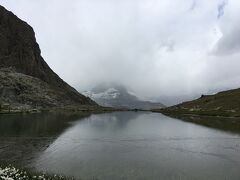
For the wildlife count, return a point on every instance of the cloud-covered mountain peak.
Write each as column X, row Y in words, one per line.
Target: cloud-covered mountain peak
column 115, row 95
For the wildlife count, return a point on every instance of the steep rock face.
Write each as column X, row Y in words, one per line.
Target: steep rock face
column 20, row 51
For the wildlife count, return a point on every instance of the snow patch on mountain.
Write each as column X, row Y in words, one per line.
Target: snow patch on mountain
column 110, row 93
column 119, row 97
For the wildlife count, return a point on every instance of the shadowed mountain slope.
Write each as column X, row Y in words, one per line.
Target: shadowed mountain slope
column 20, row 56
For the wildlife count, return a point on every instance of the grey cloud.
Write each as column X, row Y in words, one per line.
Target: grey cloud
column 221, row 8
column 193, row 5
column 154, row 48
column 229, row 43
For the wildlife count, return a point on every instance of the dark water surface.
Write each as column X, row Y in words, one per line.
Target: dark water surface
column 121, row 145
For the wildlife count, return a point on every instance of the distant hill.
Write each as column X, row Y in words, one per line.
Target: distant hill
column 115, row 95
column 226, row 103
column 25, row 78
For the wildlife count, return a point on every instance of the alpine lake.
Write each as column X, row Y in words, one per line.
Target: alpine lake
column 119, row 145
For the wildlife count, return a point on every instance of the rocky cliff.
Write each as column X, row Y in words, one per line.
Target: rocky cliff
column 20, row 56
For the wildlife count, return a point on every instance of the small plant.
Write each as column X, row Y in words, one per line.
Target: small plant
column 12, row 173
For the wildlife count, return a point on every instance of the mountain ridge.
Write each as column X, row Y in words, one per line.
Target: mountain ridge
column 225, row 103
column 20, row 53
column 117, row 96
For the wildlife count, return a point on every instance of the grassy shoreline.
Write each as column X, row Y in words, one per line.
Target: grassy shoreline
column 186, row 112
column 228, row 123
column 90, row 109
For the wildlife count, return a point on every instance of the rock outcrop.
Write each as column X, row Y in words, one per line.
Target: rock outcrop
column 20, row 58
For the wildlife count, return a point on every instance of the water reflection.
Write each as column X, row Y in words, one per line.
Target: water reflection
column 228, row 124
column 31, row 125
column 24, row 136
column 141, row 146
column 120, row 145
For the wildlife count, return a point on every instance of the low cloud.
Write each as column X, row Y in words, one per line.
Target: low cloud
column 221, row 8
column 169, row 50
column 229, row 43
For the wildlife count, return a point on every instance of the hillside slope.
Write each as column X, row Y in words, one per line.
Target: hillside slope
column 226, row 103
column 20, row 54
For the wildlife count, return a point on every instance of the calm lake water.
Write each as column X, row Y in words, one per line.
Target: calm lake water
column 120, row 145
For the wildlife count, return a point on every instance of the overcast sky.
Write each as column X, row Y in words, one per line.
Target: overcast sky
column 171, row 50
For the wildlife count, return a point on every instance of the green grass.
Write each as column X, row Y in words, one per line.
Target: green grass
column 226, row 104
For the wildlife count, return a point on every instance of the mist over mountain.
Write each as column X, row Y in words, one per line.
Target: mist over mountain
column 116, row 95
column 120, row 89
column 174, row 50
